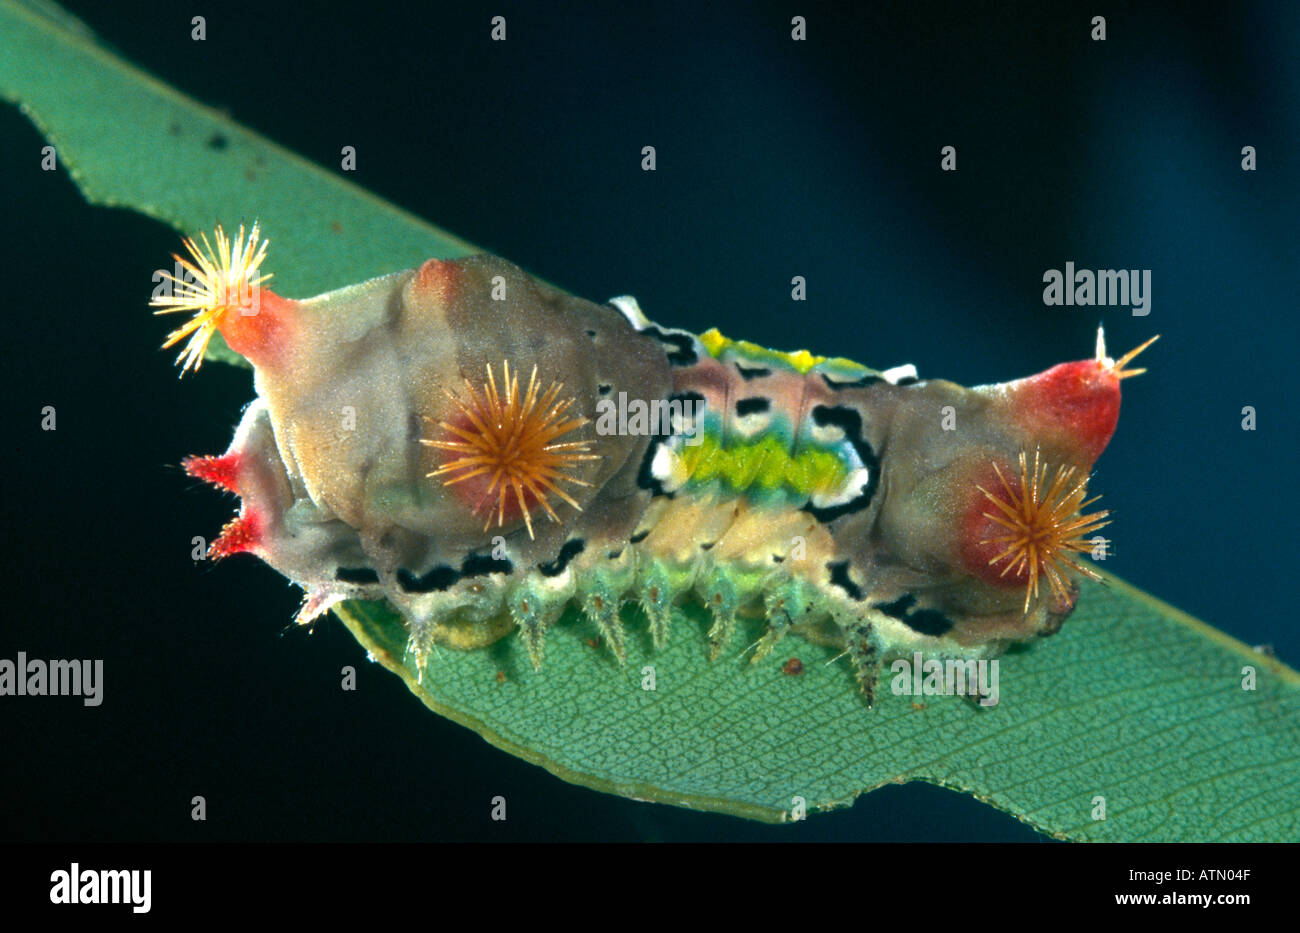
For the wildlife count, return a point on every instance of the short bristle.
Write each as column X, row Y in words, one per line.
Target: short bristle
column 1117, row 366
column 217, row 280
column 222, row 471
column 1044, row 524
column 242, row 533
column 514, row 440
column 1128, row 357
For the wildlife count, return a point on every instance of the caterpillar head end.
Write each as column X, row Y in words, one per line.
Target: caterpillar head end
column 1024, row 522
column 991, row 513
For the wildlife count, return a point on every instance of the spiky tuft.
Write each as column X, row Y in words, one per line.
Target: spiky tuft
column 217, row 281
column 1044, row 525
column 513, row 440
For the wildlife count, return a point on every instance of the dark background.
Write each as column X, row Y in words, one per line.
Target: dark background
column 775, row 159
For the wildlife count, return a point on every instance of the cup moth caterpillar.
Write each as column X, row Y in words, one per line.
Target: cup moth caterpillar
column 445, row 438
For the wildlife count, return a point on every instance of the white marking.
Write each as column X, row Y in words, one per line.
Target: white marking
column 899, row 373
column 748, row 426
column 852, row 487
column 662, row 465
column 629, row 308
column 827, row 433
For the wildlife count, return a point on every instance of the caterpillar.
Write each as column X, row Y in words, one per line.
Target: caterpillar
column 482, row 450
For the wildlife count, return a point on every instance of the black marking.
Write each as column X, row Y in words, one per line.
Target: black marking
column 924, row 621
column 604, row 388
column 753, row 372
column 591, row 333
column 928, row 622
column 695, row 398
column 218, row 142
column 572, row 548
column 435, row 581
column 849, row 421
column 443, row 577
column 356, row 575
column 777, row 559
column 752, row 406
column 855, row 384
column 615, row 555
column 684, row 354
column 708, row 546
column 477, row 565
column 645, row 477
column 907, row 381
column 840, row 577
column 846, row 419
column 639, row 537
column 690, row 404
column 898, row 608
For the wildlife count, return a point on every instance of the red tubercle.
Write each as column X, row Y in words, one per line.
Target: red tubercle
column 261, row 328
column 978, row 533
column 1076, row 405
column 438, row 279
column 1023, row 527
column 222, row 471
column 242, row 533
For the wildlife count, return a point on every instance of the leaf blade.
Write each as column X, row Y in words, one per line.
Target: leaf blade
column 1011, row 756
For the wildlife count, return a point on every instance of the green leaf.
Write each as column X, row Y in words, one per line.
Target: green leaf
column 1133, row 701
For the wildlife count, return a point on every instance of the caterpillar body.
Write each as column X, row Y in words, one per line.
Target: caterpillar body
column 483, row 450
